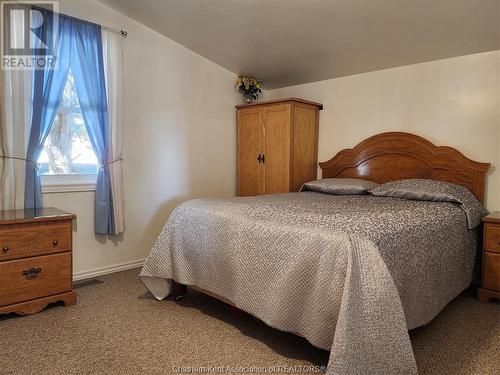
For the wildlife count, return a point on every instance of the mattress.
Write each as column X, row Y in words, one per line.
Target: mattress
column 352, row 274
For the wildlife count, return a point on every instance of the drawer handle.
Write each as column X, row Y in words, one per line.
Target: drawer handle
column 31, row 273
column 5, row 249
column 55, row 242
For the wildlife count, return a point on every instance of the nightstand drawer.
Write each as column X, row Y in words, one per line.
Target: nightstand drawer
column 26, row 241
column 26, row 279
column 491, row 271
column 492, row 237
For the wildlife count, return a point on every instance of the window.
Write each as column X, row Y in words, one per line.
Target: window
column 67, row 157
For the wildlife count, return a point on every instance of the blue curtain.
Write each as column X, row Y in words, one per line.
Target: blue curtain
column 79, row 47
column 48, row 86
column 88, row 70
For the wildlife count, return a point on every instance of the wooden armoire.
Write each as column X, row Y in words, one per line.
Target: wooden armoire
column 277, row 145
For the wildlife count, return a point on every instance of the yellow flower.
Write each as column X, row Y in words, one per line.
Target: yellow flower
column 243, row 84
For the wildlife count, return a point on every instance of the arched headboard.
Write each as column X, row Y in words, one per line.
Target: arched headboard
column 396, row 155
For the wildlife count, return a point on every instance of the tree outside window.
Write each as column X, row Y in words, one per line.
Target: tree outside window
column 67, row 149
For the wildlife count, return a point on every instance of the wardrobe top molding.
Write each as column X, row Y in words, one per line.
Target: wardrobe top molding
column 286, row 100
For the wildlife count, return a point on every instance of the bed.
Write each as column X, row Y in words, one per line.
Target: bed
column 350, row 273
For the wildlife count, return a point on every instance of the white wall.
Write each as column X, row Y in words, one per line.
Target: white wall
column 180, row 139
column 453, row 102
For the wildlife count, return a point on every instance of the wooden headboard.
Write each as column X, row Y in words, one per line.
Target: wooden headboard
column 393, row 156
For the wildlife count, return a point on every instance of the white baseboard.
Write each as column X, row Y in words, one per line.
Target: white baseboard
column 107, row 270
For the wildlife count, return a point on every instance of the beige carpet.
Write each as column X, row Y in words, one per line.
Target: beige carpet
column 118, row 328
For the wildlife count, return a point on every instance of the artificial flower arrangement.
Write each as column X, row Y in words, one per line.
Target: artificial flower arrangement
column 249, row 87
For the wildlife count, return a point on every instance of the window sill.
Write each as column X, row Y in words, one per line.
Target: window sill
column 70, row 183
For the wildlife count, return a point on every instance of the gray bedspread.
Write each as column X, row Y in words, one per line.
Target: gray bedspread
column 351, row 274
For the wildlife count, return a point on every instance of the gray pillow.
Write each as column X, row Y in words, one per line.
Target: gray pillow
column 436, row 191
column 339, row 186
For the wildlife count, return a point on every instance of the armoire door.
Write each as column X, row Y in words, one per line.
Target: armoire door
column 276, row 122
column 250, row 146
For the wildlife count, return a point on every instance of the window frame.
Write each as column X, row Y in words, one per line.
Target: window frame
column 67, row 183
column 71, row 182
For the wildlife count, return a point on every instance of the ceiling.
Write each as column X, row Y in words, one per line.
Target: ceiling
column 288, row 42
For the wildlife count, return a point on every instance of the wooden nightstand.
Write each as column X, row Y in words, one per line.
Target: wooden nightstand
column 490, row 276
column 35, row 260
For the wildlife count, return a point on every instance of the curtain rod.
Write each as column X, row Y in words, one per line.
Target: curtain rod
column 123, row 33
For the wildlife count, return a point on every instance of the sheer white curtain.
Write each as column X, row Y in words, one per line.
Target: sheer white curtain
column 15, row 120
column 112, row 44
